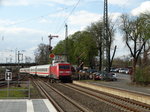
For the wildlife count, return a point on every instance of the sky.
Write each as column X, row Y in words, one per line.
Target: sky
column 24, row 24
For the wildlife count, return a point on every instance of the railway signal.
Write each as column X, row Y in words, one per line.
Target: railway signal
column 50, row 48
column 50, row 38
column 51, row 55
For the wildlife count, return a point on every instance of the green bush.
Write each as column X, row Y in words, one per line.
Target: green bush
column 142, row 75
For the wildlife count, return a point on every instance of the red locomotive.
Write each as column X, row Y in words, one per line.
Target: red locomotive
column 59, row 70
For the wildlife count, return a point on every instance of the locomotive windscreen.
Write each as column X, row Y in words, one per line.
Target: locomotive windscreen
column 64, row 67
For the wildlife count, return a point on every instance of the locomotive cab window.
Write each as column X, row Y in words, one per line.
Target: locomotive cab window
column 64, row 67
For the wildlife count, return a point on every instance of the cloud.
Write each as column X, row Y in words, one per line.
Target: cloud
column 114, row 16
column 16, row 3
column 83, row 18
column 64, row 2
column 20, row 39
column 120, row 2
column 144, row 7
column 59, row 14
column 19, row 30
column 39, row 2
column 112, row 2
column 6, row 22
column 77, row 21
column 45, row 21
column 121, row 46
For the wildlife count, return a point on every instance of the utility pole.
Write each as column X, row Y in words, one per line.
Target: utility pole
column 106, row 37
column 66, row 42
column 18, row 68
column 16, row 55
column 20, row 54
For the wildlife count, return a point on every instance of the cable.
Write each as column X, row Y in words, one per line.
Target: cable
column 68, row 16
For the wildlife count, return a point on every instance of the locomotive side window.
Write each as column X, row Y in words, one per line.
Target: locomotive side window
column 64, row 67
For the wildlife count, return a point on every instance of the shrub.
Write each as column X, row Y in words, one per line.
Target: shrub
column 142, row 75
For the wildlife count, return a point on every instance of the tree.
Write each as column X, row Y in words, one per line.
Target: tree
column 85, row 48
column 135, row 37
column 59, row 48
column 145, row 20
column 81, row 47
column 42, row 54
column 96, row 30
column 107, row 44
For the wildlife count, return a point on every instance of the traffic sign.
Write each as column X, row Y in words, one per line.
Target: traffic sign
column 51, row 55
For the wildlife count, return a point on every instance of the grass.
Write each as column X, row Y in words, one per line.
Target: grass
column 20, row 92
column 17, row 92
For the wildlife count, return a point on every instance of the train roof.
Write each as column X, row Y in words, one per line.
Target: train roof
column 41, row 66
column 58, row 62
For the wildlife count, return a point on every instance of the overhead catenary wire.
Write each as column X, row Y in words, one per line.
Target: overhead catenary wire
column 64, row 22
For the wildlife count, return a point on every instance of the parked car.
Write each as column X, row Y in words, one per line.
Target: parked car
column 102, row 75
column 91, row 71
column 124, row 70
column 98, row 75
column 111, row 77
column 114, row 70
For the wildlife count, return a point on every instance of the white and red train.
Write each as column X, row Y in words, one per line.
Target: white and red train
column 59, row 71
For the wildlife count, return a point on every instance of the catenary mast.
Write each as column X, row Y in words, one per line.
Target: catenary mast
column 106, row 37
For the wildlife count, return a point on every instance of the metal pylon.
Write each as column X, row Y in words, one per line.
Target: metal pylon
column 106, row 41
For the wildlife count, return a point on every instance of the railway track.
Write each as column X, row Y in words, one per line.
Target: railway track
column 61, row 102
column 3, row 82
column 118, row 102
column 74, row 99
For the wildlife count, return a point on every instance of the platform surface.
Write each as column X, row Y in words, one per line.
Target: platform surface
column 25, row 105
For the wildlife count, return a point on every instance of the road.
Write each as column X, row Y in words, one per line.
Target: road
column 124, row 82
column 123, row 76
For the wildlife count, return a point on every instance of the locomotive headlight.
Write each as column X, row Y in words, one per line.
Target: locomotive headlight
column 61, row 71
column 68, row 72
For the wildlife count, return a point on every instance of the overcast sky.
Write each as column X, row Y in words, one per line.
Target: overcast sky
column 24, row 24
